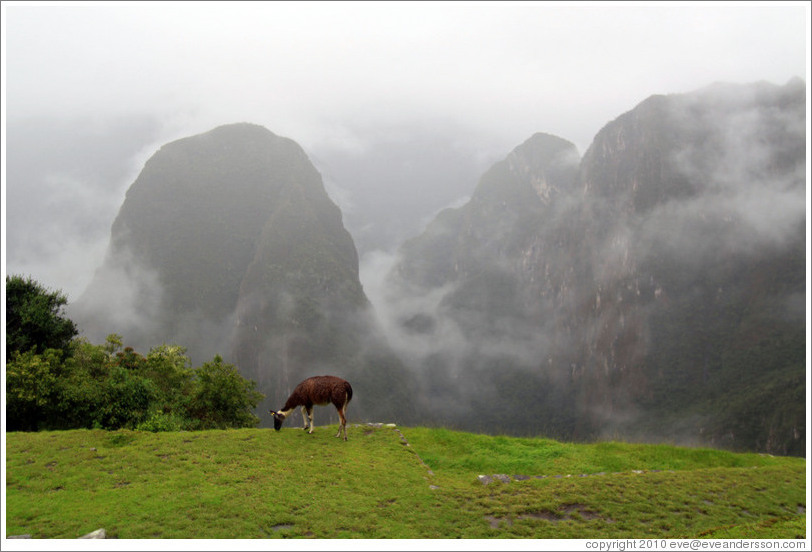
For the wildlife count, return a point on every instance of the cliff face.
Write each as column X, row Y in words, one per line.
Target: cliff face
column 227, row 243
column 476, row 296
column 657, row 288
column 695, row 215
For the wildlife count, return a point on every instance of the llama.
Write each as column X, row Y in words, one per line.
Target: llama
column 317, row 390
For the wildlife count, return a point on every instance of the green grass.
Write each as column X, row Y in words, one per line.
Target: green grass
column 460, row 453
column 257, row 483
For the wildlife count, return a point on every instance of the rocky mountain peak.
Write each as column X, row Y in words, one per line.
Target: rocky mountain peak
column 540, row 166
column 227, row 243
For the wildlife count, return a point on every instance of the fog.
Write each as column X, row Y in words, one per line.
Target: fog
column 759, row 206
column 400, row 106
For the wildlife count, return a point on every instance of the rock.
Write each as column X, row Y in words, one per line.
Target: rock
column 97, row 534
column 26, row 536
column 484, row 479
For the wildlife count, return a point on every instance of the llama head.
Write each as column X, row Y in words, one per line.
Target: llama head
column 278, row 418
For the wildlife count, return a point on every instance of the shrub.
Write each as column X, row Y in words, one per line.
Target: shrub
column 54, row 381
column 31, row 389
column 163, row 421
column 221, row 398
column 127, row 398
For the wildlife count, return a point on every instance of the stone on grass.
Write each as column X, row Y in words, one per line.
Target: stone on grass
column 97, row 534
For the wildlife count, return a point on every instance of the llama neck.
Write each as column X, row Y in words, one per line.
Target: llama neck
column 289, row 406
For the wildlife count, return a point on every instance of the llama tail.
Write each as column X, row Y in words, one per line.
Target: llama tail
column 348, row 389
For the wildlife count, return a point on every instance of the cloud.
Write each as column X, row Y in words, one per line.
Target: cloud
column 411, row 320
column 67, row 180
column 302, row 69
column 127, row 300
column 747, row 171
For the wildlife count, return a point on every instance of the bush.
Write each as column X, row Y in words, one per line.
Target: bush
column 127, row 398
column 100, row 387
column 163, row 421
column 222, row 398
column 171, row 371
column 31, row 389
column 54, row 381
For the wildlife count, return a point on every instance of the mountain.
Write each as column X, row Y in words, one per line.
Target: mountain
column 472, row 316
column 227, row 243
column 697, row 236
column 653, row 290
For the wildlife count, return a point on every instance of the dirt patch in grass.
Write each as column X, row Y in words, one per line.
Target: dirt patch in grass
column 575, row 511
column 581, row 510
column 495, row 522
column 546, row 516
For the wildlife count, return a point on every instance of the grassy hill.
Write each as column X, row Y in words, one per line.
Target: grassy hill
column 390, row 482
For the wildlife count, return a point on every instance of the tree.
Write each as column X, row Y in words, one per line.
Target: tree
column 127, row 399
column 31, row 389
column 222, row 398
column 57, row 381
column 34, row 318
column 170, row 370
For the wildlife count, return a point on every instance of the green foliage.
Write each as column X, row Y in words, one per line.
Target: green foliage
column 127, row 398
column 221, row 398
column 31, row 387
column 34, row 318
column 163, row 421
column 170, row 369
column 100, row 386
column 81, row 394
column 54, row 381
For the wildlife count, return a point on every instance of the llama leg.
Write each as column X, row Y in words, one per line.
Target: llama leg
column 342, row 423
column 340, row 417
column 310, row 418
column 304, row 418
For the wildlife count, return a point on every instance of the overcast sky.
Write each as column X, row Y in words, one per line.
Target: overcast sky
column 327, row 75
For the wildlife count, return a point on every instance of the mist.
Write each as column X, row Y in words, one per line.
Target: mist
column 87, row 99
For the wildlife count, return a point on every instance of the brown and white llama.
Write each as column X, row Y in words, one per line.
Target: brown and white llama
column 318, row 390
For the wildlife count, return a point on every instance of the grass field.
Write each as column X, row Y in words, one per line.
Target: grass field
column 385, row 483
